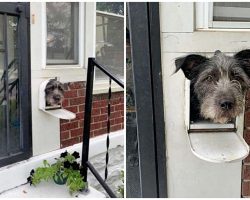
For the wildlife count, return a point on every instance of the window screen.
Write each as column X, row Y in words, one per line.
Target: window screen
column 231, row 11
column 62, row 33
column 110, row 38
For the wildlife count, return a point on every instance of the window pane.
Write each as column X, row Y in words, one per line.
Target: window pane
column 14, row 119
column 110, row 43
column 111, row 7
column 62, row 33
column 9, row 92
column 231, row 11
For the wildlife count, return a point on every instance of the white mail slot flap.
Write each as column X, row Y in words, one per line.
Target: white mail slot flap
column 61, row 113
column 218, row 147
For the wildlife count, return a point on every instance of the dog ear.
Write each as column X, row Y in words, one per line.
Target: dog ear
column 189, row 63
column 244, row 59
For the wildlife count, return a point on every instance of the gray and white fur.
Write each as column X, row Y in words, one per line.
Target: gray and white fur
column 54, row 93
column 218, row 84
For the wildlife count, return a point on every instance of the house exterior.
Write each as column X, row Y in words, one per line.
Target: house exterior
column 56, row 40
column 202, row 28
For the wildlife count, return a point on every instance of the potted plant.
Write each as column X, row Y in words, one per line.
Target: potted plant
column 66, row 170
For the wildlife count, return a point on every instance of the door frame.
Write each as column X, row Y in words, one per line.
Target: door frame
column 22, row 10
column 144, row 26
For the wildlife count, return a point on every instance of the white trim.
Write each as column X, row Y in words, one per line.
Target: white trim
column 22, row 169
column 110, row 14
column 102, row 86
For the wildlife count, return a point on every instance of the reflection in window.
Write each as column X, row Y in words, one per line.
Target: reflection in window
column 110, row 39
column 62, row 33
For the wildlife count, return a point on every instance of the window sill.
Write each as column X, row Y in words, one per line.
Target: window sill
column 63, row 66
column 102, row 86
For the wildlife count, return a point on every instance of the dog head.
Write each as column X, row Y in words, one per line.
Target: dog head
column 54, row 91
column 218, row 83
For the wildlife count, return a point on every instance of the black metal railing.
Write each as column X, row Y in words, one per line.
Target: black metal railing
column 92, row 63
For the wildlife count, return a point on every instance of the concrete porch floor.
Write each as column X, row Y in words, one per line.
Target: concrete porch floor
column 48, row 190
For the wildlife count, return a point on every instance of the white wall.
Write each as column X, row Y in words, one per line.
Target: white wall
column 187, row 175
column 45, row 128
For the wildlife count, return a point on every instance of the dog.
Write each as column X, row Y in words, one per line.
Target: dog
column 54, row 93
column 217, row 85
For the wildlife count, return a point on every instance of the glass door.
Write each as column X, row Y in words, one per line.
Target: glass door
column 15, row 137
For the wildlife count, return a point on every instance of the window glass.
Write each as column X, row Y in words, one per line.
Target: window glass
column 110, row 38
column 231, row 11
column 62, row 32
column 10, row 140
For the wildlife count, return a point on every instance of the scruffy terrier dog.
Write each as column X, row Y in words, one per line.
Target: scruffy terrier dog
column 54, row 91
column 217, row 84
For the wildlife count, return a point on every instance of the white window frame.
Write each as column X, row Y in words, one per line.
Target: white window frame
column 204, row 19
column 81, row 40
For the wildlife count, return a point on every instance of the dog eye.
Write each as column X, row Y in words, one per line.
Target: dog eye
column 60, row 87
column 209, row 78
column 236, row 76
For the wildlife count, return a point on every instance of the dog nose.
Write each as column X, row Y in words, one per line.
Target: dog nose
column 227, row 105
column 57, row 97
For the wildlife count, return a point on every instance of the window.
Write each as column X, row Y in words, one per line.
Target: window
column 223, row 15
column 62, row 33
column 110, row 37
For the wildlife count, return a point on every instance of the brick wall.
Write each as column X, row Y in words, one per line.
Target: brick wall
column 71, row 130
column 246, row 163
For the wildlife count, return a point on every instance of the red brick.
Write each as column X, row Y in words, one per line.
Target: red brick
column 104, row 110
column 245, row 188
column 103, row 103
column 246, row 136
column 81, row 123
column 79, row 115
column 81, row 108
column 100, row 131
column 119, row 107
column 116, row 101
column 81, row 92
column 246, row 172
column 247, row 118
column 115, row 127
column 72, row 109
column 119, row 120
column 69, row 142
column 77, row 101
column 76, row 132
column 70, row 94
column 100, row 118
column 247, row 159
column 115, row 115
column 65, row 103
column 68, row 126
column 112, row 122
column 64, row 135
column 96, row 104
column 64, row 121
column 96, row 111
column 95, row 126
column 76, row 85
